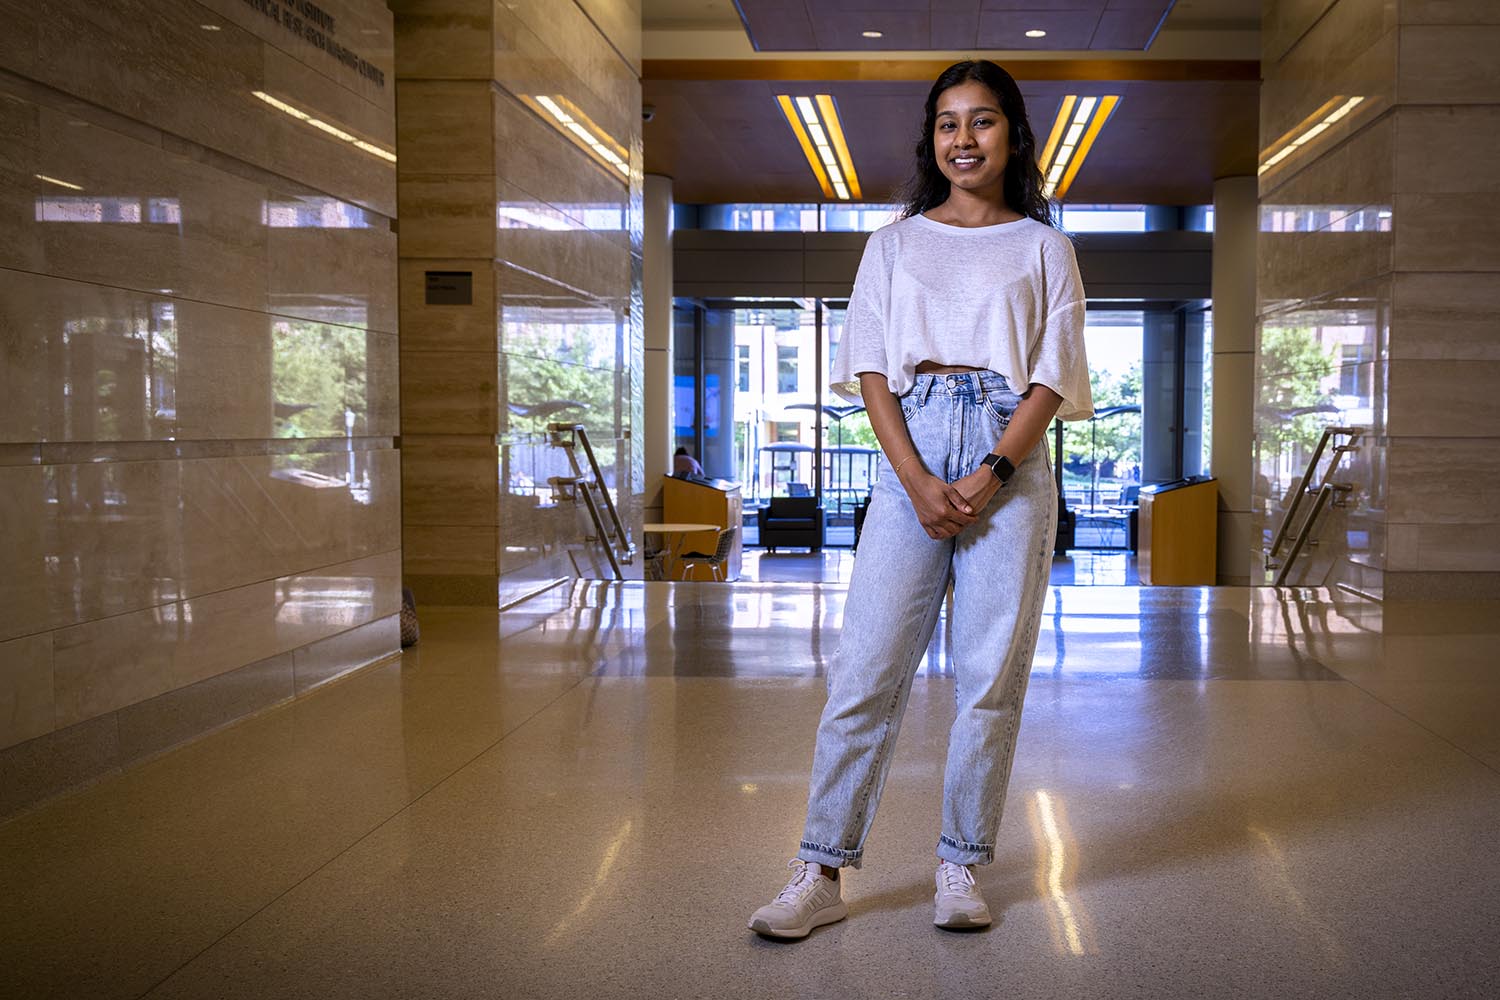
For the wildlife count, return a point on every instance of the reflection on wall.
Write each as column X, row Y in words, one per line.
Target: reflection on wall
column 158, row 211
column 197, row 399
column 1316, row 367
column 318, row 380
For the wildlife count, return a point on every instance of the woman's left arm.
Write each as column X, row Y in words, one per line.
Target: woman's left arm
column 1030, row 421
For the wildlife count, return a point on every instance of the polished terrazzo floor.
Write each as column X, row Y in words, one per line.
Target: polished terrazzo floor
column 1217, row 793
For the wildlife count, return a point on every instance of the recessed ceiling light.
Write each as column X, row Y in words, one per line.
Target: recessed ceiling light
column 209, row 27
column 1036, row 33
column 872, row 34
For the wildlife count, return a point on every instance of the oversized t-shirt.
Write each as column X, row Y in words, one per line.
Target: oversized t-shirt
column 1006, row 297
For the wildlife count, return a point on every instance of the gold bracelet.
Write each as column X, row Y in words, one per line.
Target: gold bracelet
column 908, row 458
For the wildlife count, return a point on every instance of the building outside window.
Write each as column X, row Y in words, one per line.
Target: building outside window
column 786, row 369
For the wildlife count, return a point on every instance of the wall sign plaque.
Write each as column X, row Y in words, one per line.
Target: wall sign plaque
column 450, row 288
column 316, row 26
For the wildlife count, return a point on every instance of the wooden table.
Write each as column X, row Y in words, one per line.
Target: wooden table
column 675, row 532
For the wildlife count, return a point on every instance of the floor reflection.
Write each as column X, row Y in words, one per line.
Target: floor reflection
column 1243, row 834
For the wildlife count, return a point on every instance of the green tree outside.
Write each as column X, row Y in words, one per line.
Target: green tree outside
column 546, row 363
column 321, row 369
column 1294, row 406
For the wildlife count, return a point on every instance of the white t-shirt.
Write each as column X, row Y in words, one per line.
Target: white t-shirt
column 1005, row 297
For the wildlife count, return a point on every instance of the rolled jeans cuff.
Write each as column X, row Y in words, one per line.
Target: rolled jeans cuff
column 833, row 857
column 963, row 853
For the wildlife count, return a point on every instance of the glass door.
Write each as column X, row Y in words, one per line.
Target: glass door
column 1101, row 460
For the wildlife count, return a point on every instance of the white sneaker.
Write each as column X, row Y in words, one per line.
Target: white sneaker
column 810, row 899
column 958, row 902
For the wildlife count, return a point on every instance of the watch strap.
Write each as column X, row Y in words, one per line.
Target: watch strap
column 1000, row 466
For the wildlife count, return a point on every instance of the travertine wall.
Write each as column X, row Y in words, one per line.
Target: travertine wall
column 1398, row 252
column 491, row 184
column 198, row 486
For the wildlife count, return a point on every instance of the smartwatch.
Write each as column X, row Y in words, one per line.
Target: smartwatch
column 1000, row 466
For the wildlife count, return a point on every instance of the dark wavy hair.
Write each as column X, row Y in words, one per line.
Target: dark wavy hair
column 1023, row 183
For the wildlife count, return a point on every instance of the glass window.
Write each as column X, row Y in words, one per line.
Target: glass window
column 850, row 218
column 834, row 217
column 742, row 354
column 1104, row 218
column 760, row 218
column 786, row 369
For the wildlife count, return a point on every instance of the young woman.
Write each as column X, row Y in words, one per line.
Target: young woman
column 964, row 339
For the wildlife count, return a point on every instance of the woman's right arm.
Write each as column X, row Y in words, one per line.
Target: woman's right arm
column 941, row 509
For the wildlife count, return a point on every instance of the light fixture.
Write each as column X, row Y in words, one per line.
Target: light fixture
column 1078, row 123
column 54, row 180
column 322, row 126
column 1307, row 130
column 872, row 34
column 209, row 27
column 1036, row 33
column 815, row 122
column 565, row 116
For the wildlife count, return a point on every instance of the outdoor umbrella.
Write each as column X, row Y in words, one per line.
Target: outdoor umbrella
column 1108, row 411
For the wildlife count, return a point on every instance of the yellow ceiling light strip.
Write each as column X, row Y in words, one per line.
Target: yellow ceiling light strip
column 1101, row 115
column 815, row 122
column 585, row 133
column 1063, row 114
column 795, row 121
column 840, row 147
column 1308, row 129
column 1078, row 123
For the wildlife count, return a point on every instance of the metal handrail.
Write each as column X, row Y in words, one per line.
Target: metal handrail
column 589, row 483
column 1303, row 486
column 1324, row 492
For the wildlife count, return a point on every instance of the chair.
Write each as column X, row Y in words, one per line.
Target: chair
column 714, row 562
column 791, row 521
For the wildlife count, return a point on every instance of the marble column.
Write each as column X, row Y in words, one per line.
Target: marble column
column 657, row 301
column 1235, row 228
column 1378, row 260
column 542, row 232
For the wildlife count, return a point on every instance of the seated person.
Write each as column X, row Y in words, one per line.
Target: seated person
column 684, row 464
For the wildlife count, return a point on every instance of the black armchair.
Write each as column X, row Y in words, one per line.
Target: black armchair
column 791, row 521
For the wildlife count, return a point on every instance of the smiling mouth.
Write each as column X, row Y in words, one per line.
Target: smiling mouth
column 965, row 161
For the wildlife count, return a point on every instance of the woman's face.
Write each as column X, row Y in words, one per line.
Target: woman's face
column 971, row 137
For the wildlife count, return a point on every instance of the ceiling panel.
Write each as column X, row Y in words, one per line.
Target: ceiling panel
column 837, row 25
column 1125, row 29
column 1066, row 29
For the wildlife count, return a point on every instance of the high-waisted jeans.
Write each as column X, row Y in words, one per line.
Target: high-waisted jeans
column 999, row 567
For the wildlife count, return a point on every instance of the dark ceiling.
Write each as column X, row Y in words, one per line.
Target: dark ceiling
column 726, row 140
column 719, row 133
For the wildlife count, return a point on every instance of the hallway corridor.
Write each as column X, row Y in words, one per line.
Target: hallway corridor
column 1218, row 792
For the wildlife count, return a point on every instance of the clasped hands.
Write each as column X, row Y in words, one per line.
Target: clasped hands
column 945, row 509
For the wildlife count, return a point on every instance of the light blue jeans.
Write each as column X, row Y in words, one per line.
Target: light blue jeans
column 999, row 567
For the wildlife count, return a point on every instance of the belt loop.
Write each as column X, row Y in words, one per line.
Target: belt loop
column 924, row 387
